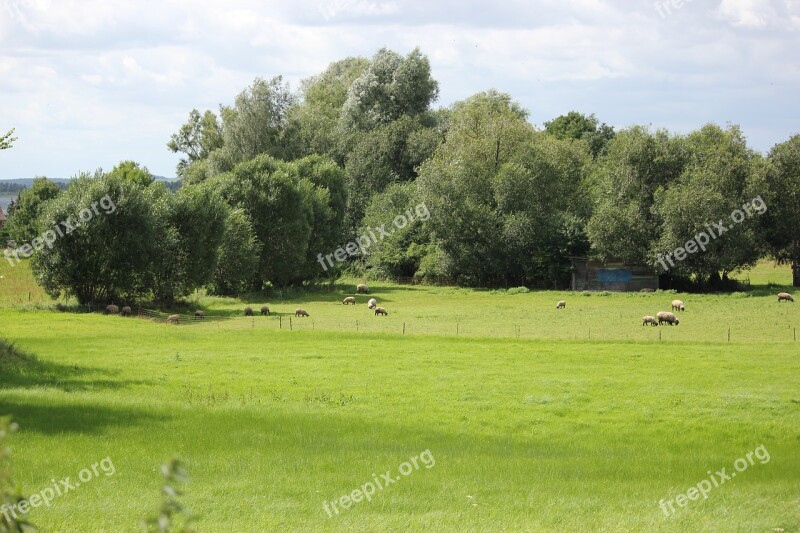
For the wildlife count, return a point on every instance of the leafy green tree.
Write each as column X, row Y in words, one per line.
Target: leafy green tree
column 201, row 135
column 256, row 122
column 486, row 131
column 505, row 202
column 541, row 197
column 132, row 171
column 624, row 225
column 7, row 141
column 269, row 192
column 402, row 252
column 782, row 196
column 721, row 175
column 391, row 87
column 197, row 214
column 313, row 118
column 578, row 126
column 325, row 190
column 107, row 257
column 22, row 223
column 389, row 153
column 237, row 265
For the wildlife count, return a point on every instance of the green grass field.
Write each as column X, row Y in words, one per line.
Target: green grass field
column 532, row 418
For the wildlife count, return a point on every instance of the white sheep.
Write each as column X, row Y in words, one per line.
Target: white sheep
column 669, row 318
column 651, row 320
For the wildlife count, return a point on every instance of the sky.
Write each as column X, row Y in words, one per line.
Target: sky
column 90, row 83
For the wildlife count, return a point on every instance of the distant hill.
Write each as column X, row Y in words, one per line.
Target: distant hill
column 11, row 186
column 14, row 185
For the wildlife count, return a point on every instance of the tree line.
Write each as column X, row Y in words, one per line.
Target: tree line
column 280, row 176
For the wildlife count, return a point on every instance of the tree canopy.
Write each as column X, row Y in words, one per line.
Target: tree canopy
column 278, row 178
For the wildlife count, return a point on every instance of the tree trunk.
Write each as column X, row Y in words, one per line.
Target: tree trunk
column 796, row 274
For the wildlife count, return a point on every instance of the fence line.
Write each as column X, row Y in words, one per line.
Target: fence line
column 458, row 328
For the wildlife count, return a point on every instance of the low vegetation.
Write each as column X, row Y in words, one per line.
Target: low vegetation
column 579, row 419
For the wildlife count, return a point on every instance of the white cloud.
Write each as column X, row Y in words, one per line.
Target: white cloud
column 747, row 13
column 87, row 83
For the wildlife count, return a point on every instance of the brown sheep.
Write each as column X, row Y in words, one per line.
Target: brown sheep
column 677, row 305
column 112, row 309
column 373, row 303
column 264, row 310
column 248, row 311
column 362, row 289
column 174, row 319
column 301, row 312
column 349, row 300
column 561, row 305
column 785, row 296
column 651, row 320
column 381, row 311
column 199, row 314
column 126, row 311
column 669, row 318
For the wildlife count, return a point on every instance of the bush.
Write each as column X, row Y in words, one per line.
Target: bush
column 518, row 290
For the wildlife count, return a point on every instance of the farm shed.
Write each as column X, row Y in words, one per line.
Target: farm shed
column 588, row 275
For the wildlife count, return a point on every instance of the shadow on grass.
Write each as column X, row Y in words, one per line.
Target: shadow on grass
column 72, row 417
column 19, row 369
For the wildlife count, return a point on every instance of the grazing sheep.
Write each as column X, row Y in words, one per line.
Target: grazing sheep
column 199, row 314
column 349, row 300
column 373, row 303
column 248, row 311
column 112, row 309
column 647, row 290
column 301, row 312
column 561, row 305
column 126, row 311
column 677, row 305
column 362, row 289
column 264, row 310
column 174, row 319
column 649, row 320
column 669, row 318
column 785, row 296
column 381, row 311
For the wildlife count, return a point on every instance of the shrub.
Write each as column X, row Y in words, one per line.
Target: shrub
column 518, row 290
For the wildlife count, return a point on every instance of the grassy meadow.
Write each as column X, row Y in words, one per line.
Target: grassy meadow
column 535, row 419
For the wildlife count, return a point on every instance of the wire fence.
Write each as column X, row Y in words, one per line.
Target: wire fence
column 541, row 326
column 531, row 328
